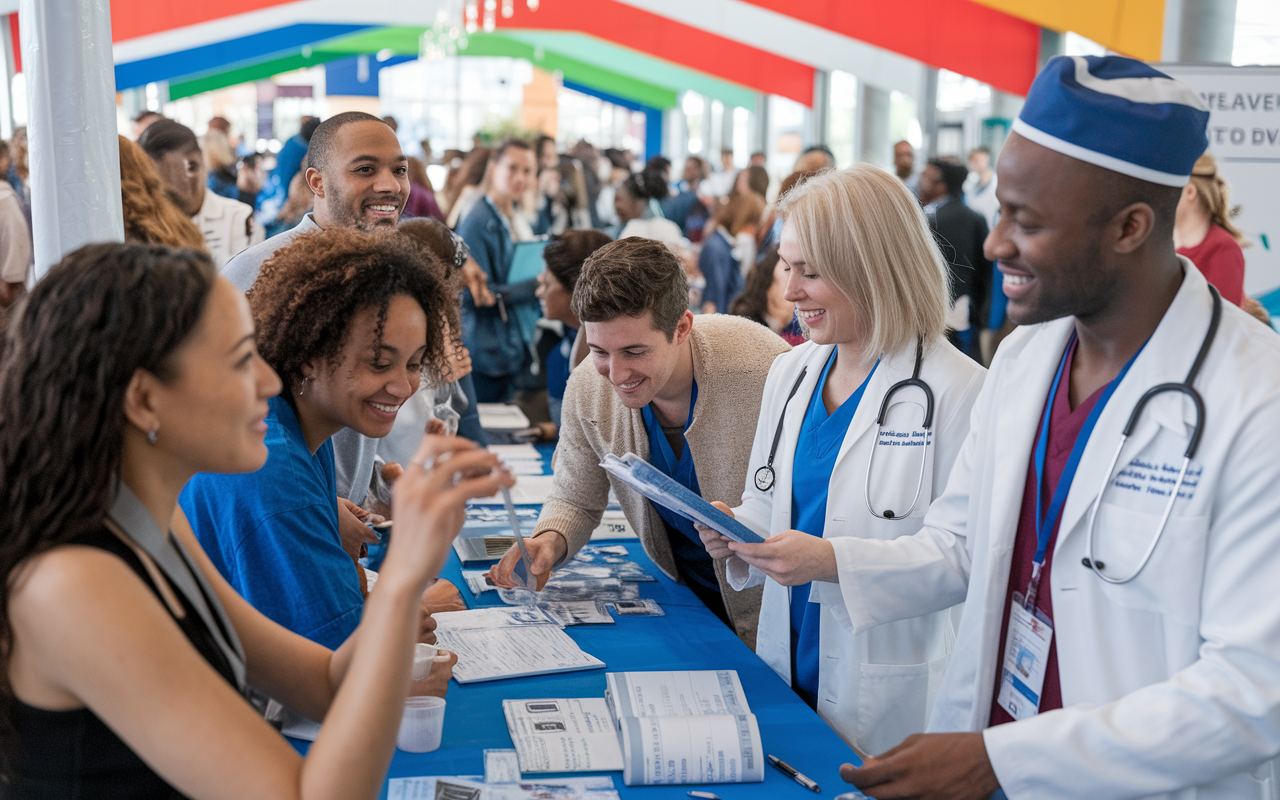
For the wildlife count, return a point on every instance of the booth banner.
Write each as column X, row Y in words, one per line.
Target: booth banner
column 1244, row 135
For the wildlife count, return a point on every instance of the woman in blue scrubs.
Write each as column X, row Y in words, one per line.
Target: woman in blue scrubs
column 350, row 321
column 869, row 282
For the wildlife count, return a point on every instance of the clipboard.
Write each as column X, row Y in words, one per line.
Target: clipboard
column 527, row 262
column 658, row 487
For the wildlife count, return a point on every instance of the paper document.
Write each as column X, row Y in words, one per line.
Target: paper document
column 510, row 642
column 477, row 582
column 675, row 694
column 649, row 481
column 563, row 735
column 711, row 749
column 685, row 727
column 516, row 452
column 597, row 787
column 501, row 766
column 501, row 417
column 525, row 467
column 529, row 490
column 613, row 525
column 578, row 612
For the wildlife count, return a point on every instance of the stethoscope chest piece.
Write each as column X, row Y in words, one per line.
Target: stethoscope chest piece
column 764, row 478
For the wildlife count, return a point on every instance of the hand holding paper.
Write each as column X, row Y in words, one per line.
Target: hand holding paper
column 715, row 542
column 649, row 481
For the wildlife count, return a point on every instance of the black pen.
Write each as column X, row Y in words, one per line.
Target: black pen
column 794, row 774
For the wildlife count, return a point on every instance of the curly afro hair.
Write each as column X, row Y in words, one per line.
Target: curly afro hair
column 308, row 293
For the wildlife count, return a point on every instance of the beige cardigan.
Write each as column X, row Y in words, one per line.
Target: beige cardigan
column 731, row 360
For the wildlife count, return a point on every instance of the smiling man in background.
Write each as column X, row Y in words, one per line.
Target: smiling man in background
column 360, row 179
column 681, row 392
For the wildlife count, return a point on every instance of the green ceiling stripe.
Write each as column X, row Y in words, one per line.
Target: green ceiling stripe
column 261, row 70
column 405, row 41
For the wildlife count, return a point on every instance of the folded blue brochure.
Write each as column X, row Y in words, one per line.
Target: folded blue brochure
column 651, row 482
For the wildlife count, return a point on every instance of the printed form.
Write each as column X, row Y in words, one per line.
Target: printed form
column 563, row 734
column 495, row 643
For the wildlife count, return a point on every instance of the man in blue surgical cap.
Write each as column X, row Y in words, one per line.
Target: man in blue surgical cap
column 1113, row 522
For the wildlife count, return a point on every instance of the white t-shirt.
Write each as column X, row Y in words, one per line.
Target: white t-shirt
column 657, row 228
column 15, row 240
column 228, row 227
column 983, row 200
column 719, row 184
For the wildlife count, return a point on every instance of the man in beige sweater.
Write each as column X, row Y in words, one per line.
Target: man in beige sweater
column 681, row 392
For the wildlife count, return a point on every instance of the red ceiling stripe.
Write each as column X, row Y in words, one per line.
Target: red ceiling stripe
column 959, row 35
column 133, row 18
column 674, row 41
column 17, row 42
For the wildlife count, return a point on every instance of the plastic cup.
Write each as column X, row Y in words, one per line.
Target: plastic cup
column 423, row 655
column 422, row 724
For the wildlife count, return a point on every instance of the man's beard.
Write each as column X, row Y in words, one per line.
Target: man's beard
column 1078, row 291
column 346, row 217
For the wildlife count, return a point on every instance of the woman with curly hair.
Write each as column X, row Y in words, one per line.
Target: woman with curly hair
column 126, row 656
column 352, row 322
column 150, row 217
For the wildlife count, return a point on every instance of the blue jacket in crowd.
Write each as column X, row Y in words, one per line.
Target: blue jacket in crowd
column 492, row 333
column 720, row 268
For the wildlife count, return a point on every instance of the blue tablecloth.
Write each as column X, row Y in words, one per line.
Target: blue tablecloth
column 689, row 637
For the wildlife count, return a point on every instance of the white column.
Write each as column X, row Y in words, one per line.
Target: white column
column 6, row 91
column 874, row 146
column 758, row 140
column 815, row 117
column 927, row 108
column 1201, row 31
column 71, row 126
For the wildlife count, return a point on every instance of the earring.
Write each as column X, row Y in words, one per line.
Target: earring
column 151, row 436
column 302, row 387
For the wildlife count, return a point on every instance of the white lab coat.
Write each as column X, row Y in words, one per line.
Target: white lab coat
column 875, row 687
column 1170, row 683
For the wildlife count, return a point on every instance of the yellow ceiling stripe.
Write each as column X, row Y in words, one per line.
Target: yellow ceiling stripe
column 1132, row 27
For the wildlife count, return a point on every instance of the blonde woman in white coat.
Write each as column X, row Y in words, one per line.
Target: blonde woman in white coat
column 869, row 281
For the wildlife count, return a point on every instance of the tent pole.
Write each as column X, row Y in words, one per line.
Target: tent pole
column 71, row 126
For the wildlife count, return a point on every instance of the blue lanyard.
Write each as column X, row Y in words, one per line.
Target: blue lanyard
column 1047, row 520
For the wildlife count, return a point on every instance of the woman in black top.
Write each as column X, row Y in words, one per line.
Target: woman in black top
column 126, row 370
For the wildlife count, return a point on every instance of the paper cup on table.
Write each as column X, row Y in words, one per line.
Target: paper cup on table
column 422, row 724
column 423, row 655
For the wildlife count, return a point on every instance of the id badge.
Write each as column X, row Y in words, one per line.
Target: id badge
column 1026, row 654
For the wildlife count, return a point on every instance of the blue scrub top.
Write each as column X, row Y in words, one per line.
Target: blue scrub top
column 273, row 534
column 558, row 370
column 821, row 435
column 686, row 545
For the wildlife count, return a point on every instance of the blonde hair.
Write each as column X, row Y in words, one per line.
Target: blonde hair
column 217, row 150
column 1214, row 196
column 150, row 216
column 862, row 232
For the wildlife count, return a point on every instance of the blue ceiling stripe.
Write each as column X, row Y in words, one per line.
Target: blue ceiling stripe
column 652, row 116
column 224, row 54
column 591, row 91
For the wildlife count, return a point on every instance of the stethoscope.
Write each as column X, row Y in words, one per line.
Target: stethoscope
column 765, row 477
column 1187, row 389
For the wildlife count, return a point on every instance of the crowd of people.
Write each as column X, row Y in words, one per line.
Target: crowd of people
column 199, row 426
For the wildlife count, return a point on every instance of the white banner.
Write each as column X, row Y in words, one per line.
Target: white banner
column 1244, row 135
